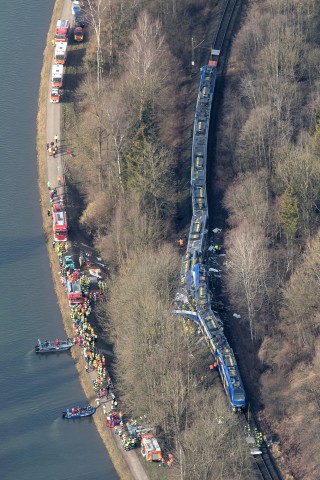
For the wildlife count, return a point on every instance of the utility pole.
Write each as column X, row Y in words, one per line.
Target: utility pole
column 192, row 51
column 193, row 47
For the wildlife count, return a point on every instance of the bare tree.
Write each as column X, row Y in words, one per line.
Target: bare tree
column 247, row 271
column 247, row 198
column 96, row 9
column 146, row 62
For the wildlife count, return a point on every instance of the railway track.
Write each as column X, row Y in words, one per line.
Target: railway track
column 265, row 466
column 264, row 463
column 224, row 24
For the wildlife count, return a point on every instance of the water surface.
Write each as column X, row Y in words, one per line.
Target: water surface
column 35, row 442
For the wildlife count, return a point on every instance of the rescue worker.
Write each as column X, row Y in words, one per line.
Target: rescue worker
column 56, row 138
column 53, row 43
column 216, row 248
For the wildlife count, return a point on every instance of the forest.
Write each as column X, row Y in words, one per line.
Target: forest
column 129, row 114
column 269, row 148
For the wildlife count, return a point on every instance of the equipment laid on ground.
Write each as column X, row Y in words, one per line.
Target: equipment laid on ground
column 150, row 448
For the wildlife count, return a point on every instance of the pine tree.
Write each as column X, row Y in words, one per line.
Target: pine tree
column 289, row 213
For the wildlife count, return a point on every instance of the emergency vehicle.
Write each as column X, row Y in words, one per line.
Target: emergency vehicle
column 150, row 448
column 94, row 288
column 68, row 263
column 60, row 53
column 62, row 31
column 57, row 75
column 60, row 225
column 75, row 7
column 55, row 95
column 78, row 34
column 74, row 292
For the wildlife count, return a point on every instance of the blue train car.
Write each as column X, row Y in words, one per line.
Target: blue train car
column 231, row 379
column 194, row 299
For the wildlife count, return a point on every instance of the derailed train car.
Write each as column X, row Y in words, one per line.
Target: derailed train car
column 194, row 299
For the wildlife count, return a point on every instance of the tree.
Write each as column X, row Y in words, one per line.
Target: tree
column 247, row 269
column 289, row 213
column 96, row 9
column 255, row 141
column 247, row 198
column 298, row 166
column 300, row 297
column 159, row 365
column 147, row 63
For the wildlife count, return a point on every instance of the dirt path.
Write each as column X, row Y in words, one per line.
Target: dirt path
column 55, row 169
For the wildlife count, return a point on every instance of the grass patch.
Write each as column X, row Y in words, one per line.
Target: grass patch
column 154, row 470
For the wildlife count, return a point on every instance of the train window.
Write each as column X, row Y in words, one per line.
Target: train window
column 238, row 395
column 228, row 360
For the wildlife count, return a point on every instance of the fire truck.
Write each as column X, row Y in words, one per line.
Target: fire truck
column 150, row 448
column 62, row 31
column 55, row 95
column 57, row 75
column 75, row 296
column 60, row 53
column 60, row 225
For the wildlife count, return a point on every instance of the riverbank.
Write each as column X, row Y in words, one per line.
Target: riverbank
column 107, row 436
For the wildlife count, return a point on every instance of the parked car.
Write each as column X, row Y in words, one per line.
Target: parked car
column 75, row 7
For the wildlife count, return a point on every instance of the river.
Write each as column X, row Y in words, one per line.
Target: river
column 35, row 442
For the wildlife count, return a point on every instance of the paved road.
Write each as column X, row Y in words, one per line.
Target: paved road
column 55, row 167
column 53, row 127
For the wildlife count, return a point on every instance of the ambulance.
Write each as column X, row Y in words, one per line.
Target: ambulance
column 57, row 75
column 60, row 53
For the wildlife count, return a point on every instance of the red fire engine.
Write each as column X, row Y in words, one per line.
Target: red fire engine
column 60, row 225
column 62, row 31
column 150, row 448
column 75, row 296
